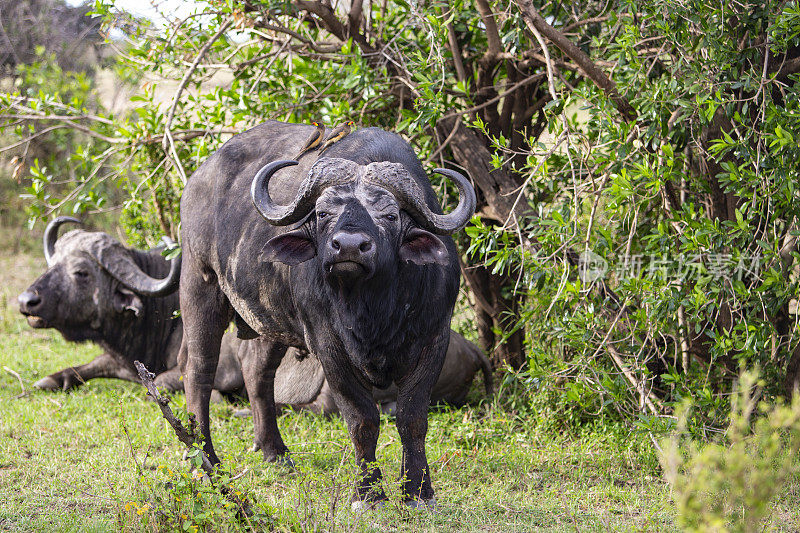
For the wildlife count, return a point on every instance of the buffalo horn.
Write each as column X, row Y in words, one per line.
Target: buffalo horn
column 396, row 179
column 51, row 235
column 120, row 265
column 325, row 173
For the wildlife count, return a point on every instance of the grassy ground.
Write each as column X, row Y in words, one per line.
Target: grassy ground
column 101, row 458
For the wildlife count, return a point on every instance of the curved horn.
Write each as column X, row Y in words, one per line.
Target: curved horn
column 326, row 172
column 119, row 264
column 259, row 192
column 51, row 235
column 396, row 179
column 458, row 217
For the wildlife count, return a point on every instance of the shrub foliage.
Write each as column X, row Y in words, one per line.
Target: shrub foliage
column 636, row 164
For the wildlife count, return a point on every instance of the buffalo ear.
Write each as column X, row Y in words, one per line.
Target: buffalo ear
column 127, row 300
column 291, row 248
column 423, row 247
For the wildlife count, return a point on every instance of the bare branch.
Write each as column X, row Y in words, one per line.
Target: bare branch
column 530, row 79
column 492, row 35
column 354, row 17
column 458, row 61
column 32, row 137
column 184, row 435
column 537, row 24
column 16, row 375
column 168, row 142
column 186, row 135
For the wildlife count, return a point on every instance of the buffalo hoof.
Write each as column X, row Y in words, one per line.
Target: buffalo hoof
column 278, row 460
column 361, row 506
column 422, row 505
column 47, row 383
column 63, row 381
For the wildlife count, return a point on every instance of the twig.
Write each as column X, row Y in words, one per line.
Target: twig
column 240, row 474
column 651, row 401
column 569, row 513
column 186, row 436
column 169, row 143
column 130, row 447
column 550, row 152
column 535, row 22
column 524, row 81
column 187, row 135
column 444, row 144
column 24, row 392
column 547, row 62
column 163, row 403
column 456, row 51
column 32, row 137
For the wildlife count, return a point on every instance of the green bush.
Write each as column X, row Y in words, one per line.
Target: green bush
column 731, row 483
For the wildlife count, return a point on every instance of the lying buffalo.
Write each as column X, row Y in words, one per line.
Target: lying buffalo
column 97, row 290
column 354, row 262
column 85, row 296
column 300, row 382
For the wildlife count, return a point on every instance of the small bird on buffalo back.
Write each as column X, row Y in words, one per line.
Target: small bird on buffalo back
column 313, row 141
column 338, row 133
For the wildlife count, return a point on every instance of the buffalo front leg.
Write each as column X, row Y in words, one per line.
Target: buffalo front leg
column 102, row 366
column 413, row 401
column 206, row 313
column 360, row 412
column 260, row 359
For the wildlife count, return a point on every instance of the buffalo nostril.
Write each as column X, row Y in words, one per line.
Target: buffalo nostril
column 29, row 300
column 345, row 243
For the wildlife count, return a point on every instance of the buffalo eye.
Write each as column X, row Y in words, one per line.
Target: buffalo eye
column 390, row 217
column 82, row 274
column 321, row 215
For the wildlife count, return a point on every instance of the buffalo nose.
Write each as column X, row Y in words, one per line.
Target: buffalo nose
column 28, row 301
column 346, row 243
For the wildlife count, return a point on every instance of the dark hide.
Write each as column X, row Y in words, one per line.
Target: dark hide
column 75, row 292
column 84, row 303
column 380, row 320
column 463, row 360
column 300, row 382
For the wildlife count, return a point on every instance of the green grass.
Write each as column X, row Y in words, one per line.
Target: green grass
column 101, row 458
column 67, row 464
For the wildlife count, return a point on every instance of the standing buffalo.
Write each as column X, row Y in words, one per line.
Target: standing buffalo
column 81, row 296
column 354, row 264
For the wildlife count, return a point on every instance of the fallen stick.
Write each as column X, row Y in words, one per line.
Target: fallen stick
column 16, row 375
column 187, row 436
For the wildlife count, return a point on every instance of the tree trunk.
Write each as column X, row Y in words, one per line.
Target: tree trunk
column 493, row 311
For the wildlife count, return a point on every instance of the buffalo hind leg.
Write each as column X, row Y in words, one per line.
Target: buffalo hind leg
column 102, row 366
column 170, row 380
column 260, row 359
column 360, row 412
column 206, row 314
column 413, row 401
